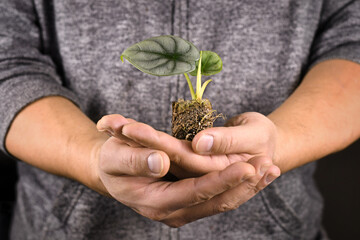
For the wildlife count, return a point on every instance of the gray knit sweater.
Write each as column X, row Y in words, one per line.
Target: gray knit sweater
column 72, row 48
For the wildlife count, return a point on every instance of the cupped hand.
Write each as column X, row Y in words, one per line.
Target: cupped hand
column 184, row 161
column 244, row 137
column 126, row 170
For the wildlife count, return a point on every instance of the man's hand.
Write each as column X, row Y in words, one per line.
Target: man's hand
column 244, row 137
column 125, row 164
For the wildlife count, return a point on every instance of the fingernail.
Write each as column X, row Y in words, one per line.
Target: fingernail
column 245, row 178
column 109, row 131
column 155, row 163
column 269, row 178
column 263, row 169
column 104, row 128
column 205, row 143
column 100, row 124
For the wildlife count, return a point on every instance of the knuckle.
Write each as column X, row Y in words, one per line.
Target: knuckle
column 131, row 163
column 252, row 187
column 157, row 215
column 225, row 144
column 224, row 207
column 230, row 143
column 201, row 197
column 175, row 223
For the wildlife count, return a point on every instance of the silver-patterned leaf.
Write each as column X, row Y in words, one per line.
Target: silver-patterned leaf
column 163, row 55
column 211, row 64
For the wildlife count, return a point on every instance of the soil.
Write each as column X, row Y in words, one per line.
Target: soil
column 191, row 116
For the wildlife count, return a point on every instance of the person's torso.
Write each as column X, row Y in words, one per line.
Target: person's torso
column 264, row 47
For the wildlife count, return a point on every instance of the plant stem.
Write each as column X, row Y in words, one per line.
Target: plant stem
column 198, row 80
column 199, row 89
column 203, row 88
column 190, row 86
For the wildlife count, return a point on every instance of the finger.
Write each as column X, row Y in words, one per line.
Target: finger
column 236, row 121
column 273, row 173
column 261, row 164
column 113, row 124
column 169, row 197
column 179, row 151
column 117, row 158
column 266, row 172
column 254, row 131
column 226, row 201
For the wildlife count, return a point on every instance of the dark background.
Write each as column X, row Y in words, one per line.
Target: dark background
column 338, row 177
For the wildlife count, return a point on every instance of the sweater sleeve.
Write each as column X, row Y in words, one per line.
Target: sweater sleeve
column 338, row 35
column 26, row 73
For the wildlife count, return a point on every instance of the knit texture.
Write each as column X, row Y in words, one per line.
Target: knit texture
column 72, row 48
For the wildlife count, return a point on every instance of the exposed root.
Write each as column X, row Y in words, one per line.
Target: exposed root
column 191, row 116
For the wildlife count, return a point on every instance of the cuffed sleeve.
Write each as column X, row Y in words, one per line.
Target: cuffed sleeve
column 338, row 35
column 26, row 74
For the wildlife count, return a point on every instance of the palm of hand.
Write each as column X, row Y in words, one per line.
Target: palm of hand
column 213, row 181
column 244, row 137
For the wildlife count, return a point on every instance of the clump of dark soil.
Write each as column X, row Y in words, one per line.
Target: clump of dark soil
column 191, row 116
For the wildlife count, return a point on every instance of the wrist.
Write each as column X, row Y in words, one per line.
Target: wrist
column 279, row 141
column 85, row 169
column 95, row 180
column 285, row 149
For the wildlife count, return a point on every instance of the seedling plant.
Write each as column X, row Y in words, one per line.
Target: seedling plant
column 171, row 55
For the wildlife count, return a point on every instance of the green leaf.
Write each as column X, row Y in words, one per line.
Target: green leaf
column 163, row 55
column 211, row 64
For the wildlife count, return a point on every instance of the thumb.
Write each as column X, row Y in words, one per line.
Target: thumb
column 117, row 158
column 252, row 134
column 220, row 140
